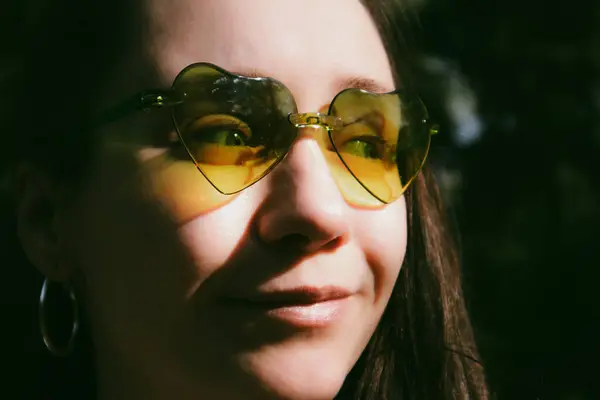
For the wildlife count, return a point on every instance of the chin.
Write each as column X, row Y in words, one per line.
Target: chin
column 308, row 375
column 314, row 386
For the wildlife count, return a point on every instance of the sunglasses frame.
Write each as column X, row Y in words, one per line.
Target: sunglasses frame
column 149, row 100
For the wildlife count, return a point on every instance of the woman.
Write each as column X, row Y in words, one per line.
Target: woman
column 263, row 231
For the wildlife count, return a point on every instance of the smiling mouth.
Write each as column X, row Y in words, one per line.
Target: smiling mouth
column 304, row 307
column 304, row 295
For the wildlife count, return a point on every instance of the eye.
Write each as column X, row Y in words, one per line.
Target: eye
column 219, row 129
column 221, row 139
column 225, row 137
column 360, row 140
column 362, row 147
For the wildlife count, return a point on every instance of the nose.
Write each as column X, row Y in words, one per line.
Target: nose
column 303, row 210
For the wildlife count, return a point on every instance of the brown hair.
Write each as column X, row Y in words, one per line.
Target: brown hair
column 423, row 347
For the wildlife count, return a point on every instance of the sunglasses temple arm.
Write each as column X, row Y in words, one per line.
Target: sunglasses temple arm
column 119, row 111
column 140, row 102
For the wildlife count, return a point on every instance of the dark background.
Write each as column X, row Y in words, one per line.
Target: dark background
column 515, row 86
column 519, row 161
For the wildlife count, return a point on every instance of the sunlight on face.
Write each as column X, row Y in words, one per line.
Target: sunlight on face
column 157, row 274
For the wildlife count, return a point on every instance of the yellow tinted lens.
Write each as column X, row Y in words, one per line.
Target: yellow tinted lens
column 234, row 128
column 382, row 144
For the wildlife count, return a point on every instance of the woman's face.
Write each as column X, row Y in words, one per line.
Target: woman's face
column 229, row 300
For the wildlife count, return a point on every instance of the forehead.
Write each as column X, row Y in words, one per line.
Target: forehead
column 305, row 44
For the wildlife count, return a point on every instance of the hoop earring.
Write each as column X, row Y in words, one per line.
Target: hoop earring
column 56, row 350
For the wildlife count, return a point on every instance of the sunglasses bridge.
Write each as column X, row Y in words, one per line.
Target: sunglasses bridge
column 305, row 120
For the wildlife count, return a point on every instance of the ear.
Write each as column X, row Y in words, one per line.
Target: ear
column 37, row 199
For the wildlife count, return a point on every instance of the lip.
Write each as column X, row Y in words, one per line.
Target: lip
column 302, row 307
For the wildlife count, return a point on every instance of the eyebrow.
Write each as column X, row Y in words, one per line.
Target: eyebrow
column 370, row 85
column 353, row 82
column 252, row 73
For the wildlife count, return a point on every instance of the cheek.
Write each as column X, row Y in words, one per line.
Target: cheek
column 131, row 245
column 130, row 254
column 213, row 239
column 383, row 238
column 135, row 258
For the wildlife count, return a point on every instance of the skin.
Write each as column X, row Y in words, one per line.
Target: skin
column 148, row 275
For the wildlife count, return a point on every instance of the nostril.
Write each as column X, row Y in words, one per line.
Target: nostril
column 297, row 242
column 333, row 244
column 293, row 242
